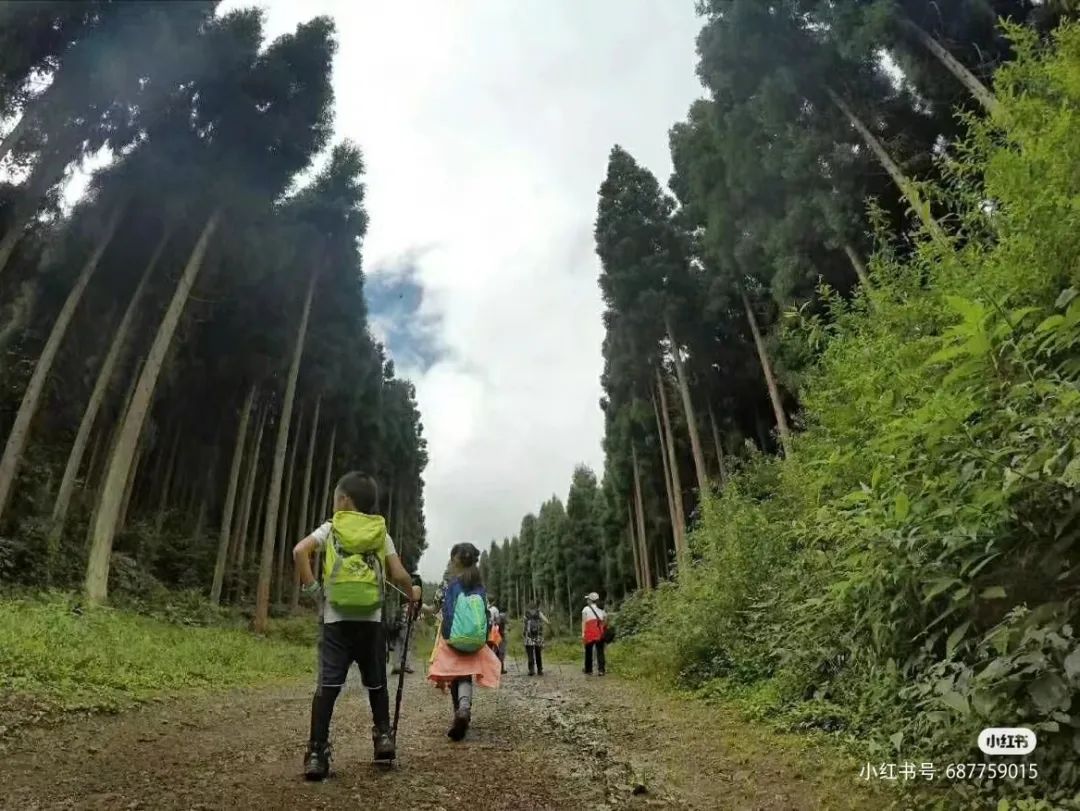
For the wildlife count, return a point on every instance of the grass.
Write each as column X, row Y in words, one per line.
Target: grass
column 69, row 658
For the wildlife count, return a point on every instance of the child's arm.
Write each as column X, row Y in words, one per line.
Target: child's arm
column 401, row 578
column 302, row 553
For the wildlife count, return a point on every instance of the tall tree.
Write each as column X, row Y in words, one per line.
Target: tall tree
column 225, row 533
column 253, row 128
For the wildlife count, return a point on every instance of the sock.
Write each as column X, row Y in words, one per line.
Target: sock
column 322, row 709
column 380, row 708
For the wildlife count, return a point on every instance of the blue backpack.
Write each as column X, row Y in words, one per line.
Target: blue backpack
column 465, row 617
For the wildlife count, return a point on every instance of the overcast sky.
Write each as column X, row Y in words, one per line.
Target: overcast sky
column 486, row 126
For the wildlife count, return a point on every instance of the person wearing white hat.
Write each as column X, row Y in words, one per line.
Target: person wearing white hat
column 593, row 624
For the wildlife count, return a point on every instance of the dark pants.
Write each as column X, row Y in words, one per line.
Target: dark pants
column 536, row 659
column 341, row 644
column 599, row 646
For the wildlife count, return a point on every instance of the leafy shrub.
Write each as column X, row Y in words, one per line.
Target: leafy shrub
column 910, row 573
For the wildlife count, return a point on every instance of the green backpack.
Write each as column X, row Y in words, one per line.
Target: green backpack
column 355, row 562
column 465, row 617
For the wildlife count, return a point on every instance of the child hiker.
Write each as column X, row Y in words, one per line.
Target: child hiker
column 357, row 551
column 461, row 657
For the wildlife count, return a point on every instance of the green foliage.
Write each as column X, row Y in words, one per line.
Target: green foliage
column 909, row 574
column 55, row 651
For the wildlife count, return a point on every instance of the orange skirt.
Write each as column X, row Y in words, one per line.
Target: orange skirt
column 448, row 665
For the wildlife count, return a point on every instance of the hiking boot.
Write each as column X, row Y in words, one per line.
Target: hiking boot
column 384, row 745
column 462, row 717
column 317, row 761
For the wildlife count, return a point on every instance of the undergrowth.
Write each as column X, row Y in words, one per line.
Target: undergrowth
column 66, row 657
column 909, row 575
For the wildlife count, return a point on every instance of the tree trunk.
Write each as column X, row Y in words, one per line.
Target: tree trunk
column 859, row 265
column 166, row 485
column 672, row 465
column 42, row 179
column 721, row 467
column 225, row 533
column 303, row 528
column 97, row 398
column 906, row 187
column 569, row 598
column 91, row 463
column 646, row 565
column 390, row 507
column 283, row 533
column 667, row 473
column 105, row 375
column 273, row 496
column 328, row 486
column 688, row 411
column 240, row 542
column 20, row 429
column 97, row 569
column 20, row 314
column 968, row 79
column 638, row 578
column 110, row 447
column 129, row 486
column 200, row 522
column 770, row 380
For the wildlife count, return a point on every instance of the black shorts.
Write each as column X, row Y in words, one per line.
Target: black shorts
column 342, row 643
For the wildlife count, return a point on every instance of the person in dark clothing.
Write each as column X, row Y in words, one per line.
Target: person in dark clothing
column 533, row 629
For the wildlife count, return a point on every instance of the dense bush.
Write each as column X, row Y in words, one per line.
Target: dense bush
column 910, row 572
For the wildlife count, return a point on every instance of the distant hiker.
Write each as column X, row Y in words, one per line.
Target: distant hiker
column 502, row 623
column 461, row 657
column 357, row 551
column 533, row 629
column 397, row 639
column 593, row 622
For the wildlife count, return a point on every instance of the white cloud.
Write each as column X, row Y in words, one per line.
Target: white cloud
column 486, row 127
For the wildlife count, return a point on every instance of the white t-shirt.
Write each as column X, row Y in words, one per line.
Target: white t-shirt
column 587, row 613
column 331, row 614
column 588, row 616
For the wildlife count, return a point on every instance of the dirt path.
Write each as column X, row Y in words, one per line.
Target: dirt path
column 561, row 742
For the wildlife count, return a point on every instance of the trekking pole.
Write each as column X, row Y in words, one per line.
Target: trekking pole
column 401, row 668
column 404, row 656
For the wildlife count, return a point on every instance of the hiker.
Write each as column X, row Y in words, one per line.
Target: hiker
column 533, row 629
column 593, row 620
column 502, row 623
column 494, row 631
column 397, row 640
column 356, row 551
column 461, row 658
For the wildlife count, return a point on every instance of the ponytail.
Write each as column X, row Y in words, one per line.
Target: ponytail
column 464, row 558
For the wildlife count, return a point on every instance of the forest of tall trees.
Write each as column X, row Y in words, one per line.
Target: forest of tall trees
column 840, row 380
column 186, row 360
